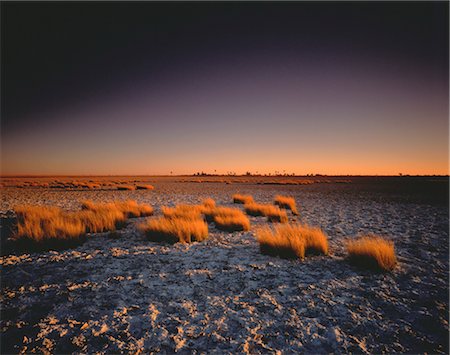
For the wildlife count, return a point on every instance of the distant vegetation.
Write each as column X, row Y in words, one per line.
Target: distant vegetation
column 145, row 187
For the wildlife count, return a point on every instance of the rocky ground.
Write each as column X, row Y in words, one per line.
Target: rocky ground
column 121, row 293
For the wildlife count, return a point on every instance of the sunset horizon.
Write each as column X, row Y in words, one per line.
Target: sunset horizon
column 225, row 86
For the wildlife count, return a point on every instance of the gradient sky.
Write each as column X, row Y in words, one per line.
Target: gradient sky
column 150, row 88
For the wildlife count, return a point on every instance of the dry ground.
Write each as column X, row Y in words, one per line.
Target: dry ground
column 123, row 293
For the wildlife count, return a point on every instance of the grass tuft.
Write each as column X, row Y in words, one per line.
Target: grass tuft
column 173, row 230
column 287, row 203
column 372, row 252
column 129, row 208
column 126, row 187
column 183, row 211
column 145, row 187
column 230, row 219
column 292, row 241
column 209, row 203
column 245, row 199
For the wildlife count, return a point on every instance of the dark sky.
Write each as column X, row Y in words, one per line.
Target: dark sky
column 63, row 56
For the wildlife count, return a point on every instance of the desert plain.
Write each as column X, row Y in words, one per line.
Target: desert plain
column 119, row 292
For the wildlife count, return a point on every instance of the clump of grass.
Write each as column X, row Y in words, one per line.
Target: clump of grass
column 230, row 219
column 173, row 230
column 292, row 241
column 145, row 187
column 245, row 199
column 372, row 252
column 41, row 227
column 125, row 187
column 129, row 208
column 273, row 213
column 209, row 203
column 287, row 203
column 183, row 211
column 277, row 216
column 256, row 209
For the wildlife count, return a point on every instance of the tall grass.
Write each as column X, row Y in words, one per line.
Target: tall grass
column 126, row 187
column 245, row 199
column 292, row 241
column 230, row 219
column 372, row 252
column 286, row 202
column 43, row 227
column 175, row 229
column 129, row 208
column 183, row 211
column 145, row 187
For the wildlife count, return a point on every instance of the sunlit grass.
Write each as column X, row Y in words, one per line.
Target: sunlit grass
column 286, row 202
column 126, row 187
column 183, row 211
column 372, row 252
column 209, row 203
column 48, row 227
column 230, row 219
column 51, row 227
column 245, row 199
column 129, row 208
column 292, row 241
column 145, row 187
column 174, row 230
column 277, row 216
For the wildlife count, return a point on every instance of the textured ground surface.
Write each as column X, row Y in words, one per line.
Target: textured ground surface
column 127, row 294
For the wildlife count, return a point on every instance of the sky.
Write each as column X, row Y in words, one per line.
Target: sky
column 113, row 88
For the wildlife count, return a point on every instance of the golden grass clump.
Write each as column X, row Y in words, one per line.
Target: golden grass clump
column 209, row 203
column 183, row 211
column 372, row 252
column 40, row 223
column 277, row 216
column 230, row 219
column 129, row 208
column 145, row 187
column 125, row 187
column 44, row 227
column 257, row 209
column 292, row 241
column 173, row 230
column 245, row 199
column 287, row 203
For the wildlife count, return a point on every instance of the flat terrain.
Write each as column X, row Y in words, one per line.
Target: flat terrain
column 122, row 293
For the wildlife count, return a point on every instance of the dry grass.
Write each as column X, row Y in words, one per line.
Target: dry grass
column 40, row 227
column 126, row 187
column 145, row 187
column 209, row 203
column 245, row 199
column 129, row 208
column 286, row 202
column 277, row 216
column 372, row 252
column 292, row 241
column 183, row 211
column 256, row 209
column 173, row 230
column 230, row 219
